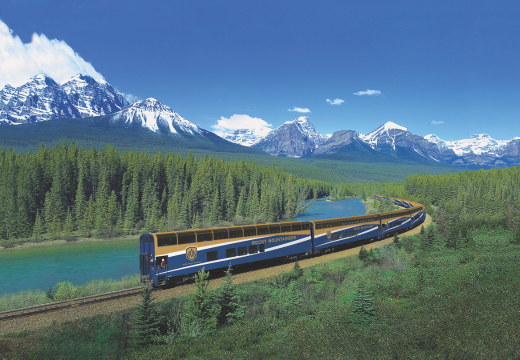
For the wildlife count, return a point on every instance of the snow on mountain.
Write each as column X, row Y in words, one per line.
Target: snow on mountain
column 93, row 97
column 152, row 114
column 244, row 137
column 385, row 134
column 294, row 138
column 478, row 144
column 42, row 98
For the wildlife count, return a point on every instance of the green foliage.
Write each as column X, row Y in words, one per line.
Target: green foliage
column 145, row 319
column 202, row 309
column 363, row 312
column 363, row 254
column 55, row 191
column 229, row 301
column 297, row 269
column 396, row 239
column 65, row 291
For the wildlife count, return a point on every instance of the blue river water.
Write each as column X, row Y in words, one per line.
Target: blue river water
column 42, row 268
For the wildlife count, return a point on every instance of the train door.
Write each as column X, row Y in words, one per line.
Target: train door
column 146, row 254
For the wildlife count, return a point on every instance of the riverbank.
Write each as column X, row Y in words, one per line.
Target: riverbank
column 25, row 244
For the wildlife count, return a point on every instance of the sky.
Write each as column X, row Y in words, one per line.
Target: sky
column 450, row 68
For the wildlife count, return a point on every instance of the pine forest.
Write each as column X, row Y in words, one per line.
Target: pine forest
column 67, row 191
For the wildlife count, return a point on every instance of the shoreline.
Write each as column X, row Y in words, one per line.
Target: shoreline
column 60, row 242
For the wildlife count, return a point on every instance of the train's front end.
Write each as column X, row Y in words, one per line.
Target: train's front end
column 148, row 268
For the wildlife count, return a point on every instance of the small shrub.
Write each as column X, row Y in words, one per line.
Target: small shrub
column 66, row 291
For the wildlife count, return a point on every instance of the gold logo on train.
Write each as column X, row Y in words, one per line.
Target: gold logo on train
column 191, row 253
column 329, row 234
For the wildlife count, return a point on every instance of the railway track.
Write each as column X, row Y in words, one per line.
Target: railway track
column 58, row 305
column 42, row 315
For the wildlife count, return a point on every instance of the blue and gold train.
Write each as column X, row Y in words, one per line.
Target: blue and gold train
column 174, row 257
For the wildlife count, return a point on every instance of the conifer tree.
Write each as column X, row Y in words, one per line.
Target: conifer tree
column 431, row 236
column 38, row 228
column 68, row 228
column 230, row 197
column 363, row 308
column 201, row 310
column 146, row 318
column 363, row 254
column 241, row 205
column 396, row 239
column 297, row 269
column 231, row 308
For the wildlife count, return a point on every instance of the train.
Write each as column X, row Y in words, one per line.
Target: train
column 175, row 257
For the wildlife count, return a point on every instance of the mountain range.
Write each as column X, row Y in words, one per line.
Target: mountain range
column 83, row 97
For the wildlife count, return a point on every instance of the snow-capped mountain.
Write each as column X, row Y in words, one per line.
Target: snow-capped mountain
column 292, row 139
column 42, row 98
column 478, row 144
column 244, row 137
column 384, row 135
column 93, row 97
column 155, row 116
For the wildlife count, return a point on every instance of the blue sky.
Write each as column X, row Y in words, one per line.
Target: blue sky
column 446, row 67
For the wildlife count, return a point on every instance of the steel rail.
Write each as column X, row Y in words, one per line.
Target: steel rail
column 58, row 305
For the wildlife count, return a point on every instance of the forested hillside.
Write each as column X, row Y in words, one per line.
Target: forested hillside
column 459, row 201
column 66, row 190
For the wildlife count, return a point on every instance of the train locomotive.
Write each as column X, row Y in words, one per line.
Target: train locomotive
column 175, row 257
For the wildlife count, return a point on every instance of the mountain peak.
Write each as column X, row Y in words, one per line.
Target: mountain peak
column 389, row 125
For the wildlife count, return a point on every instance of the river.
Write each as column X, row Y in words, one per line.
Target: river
column 42, row 268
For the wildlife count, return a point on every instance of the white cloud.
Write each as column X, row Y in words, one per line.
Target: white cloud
column 130, row 97
column 437, row 122
column 335, row 101
column 19, row 61
column 368, row 92
column 302, row 110
column 243, row 121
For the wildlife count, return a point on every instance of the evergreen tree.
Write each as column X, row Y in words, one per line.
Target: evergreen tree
column 241, row 205
column 297, row 269
column 229, row 301
column 422, row 229
column 145, row 319
column 459, row 242
column 69, row 224
column 201, row 310
column 230, row 198
column 431, row 236
column 363, row 254
column 215, row 208
column 38, row 228
column 363, row 308
column 396, row 239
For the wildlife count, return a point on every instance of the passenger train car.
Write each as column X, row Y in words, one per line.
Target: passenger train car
column 174, row 257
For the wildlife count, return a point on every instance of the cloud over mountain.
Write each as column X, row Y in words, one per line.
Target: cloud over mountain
column 42, row 55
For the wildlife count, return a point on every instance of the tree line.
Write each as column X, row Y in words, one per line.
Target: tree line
column 66, row 190
column 457, row 202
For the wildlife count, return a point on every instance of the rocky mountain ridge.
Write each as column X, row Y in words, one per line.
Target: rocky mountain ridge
column 42, row 98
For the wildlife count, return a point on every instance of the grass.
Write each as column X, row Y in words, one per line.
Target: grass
column 28, row 298
column 429, row 302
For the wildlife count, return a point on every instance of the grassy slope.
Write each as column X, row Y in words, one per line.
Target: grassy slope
column 429, row 302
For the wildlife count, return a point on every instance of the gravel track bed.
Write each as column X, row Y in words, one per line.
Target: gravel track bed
column 105, row 307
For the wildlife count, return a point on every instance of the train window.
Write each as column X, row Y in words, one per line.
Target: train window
column 274, row 229
column 249, row 231
column 355, row 232
column 286, row 228
column 340, row 235
column 261, row 247
column 219, row 235
column 306, row 226
column 141, row 239
column 296, row 227
column 330, row 225
column 186, row 239
column 253, row 249
column 242, row 250
column 211, row 255
column 146, row 239
column 204, row 237
column 334, row 236
column 262, row 230
column 231, row 252
column 167, row 240
column 234, row 233
column 319, row 226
